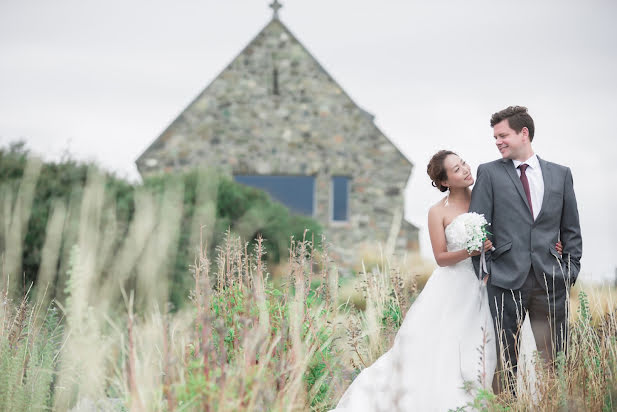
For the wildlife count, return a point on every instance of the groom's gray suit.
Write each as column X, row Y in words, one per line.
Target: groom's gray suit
column 525, row 267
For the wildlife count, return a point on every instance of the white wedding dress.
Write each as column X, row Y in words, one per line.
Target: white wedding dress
column 438, row 351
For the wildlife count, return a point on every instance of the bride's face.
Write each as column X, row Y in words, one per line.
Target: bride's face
column 458, row 171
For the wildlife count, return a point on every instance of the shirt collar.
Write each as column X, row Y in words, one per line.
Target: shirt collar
column 533, row 162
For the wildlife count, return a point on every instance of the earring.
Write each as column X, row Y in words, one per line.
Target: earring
column 447, row 198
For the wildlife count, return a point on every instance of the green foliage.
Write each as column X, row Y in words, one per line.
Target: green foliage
column 58, row 181
column 484, row 401
column 583, row 310
column 392, row 314
column 562, row 380
column 240, row 207
column 229, row 306
column 317, row 371
column 241, row 363
column 595, row 381
column 28, row 357
column 273, row 221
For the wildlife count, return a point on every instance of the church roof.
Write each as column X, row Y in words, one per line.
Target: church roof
column 275, row 22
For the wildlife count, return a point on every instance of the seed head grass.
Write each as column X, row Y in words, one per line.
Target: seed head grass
column 250, row 338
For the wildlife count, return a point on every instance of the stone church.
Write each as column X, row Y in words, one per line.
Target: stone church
column 276, row 120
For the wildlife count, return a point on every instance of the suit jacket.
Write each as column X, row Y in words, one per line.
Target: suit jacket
column 520, row 242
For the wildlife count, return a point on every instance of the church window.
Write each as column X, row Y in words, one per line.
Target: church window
column 340, row 199
column 295, row 192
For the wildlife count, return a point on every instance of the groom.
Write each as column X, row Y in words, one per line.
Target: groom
column 530, row 204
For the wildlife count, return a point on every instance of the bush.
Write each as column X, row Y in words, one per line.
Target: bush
column 243, row 209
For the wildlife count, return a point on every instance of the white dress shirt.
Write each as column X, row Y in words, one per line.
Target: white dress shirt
column 536, row 182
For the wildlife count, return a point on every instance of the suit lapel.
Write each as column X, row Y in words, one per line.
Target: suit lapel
column 547, row 177
column 511, row 170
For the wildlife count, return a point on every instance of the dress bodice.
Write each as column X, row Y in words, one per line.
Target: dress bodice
column 454, row 240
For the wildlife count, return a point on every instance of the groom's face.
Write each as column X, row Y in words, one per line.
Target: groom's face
column 509, row 143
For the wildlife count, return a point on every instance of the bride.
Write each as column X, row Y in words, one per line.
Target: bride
column 445, row 349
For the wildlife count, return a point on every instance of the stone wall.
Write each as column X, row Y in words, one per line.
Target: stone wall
column 275, row 111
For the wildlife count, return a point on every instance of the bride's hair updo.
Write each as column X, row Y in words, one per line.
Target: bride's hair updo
column 436, row 171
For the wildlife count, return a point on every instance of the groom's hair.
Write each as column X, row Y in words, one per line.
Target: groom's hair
column 517, row 119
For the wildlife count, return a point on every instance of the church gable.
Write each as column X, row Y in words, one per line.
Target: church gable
column 274, row 94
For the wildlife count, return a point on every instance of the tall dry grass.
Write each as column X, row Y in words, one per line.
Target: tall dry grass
column 111, row 342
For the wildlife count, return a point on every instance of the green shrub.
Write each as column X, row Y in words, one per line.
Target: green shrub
column 245, row 210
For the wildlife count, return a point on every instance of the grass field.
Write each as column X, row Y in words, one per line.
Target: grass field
column 245, row 345
column 248, row 340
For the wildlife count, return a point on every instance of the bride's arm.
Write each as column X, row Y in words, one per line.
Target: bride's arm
column 438, row 241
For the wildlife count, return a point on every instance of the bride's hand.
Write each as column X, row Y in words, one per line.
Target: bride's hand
column 559, row 247
column 488, row 245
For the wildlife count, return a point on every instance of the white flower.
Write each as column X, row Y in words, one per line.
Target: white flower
column 475, row 231
column 468, row 231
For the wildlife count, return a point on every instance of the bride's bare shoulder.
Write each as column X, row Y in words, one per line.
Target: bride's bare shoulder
column 438, row 210
column 439, row 206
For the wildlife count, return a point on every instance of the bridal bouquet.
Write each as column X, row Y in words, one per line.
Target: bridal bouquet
column 475, row 231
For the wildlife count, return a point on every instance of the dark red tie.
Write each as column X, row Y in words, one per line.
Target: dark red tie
column 525, row 183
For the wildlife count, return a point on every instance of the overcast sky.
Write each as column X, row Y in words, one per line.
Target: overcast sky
column 103, row 79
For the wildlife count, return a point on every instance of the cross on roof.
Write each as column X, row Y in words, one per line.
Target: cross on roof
column 275, row 6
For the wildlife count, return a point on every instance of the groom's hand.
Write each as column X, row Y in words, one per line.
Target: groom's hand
column 485, row 279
